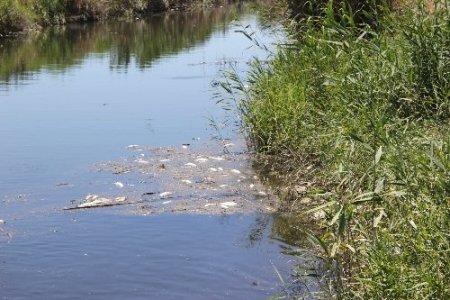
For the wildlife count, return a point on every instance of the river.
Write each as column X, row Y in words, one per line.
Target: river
column 77, row 102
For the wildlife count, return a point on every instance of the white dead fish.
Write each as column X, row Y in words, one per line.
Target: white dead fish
column 261, row 193
column 217, row 158
column 186, row 181
column 142, row 161
column 209, row 204
column 121, row 199
column 213, row 169
column 90, row 197
column 97, row 202
column 119, row 184
column 164, row 160
column 201, row 160
column 227, row 205
column 167, row 202
column 223, row 185
column 165, row 194
column 229, row 145
column 190, row 165
column 132, row 146
column 235, row 171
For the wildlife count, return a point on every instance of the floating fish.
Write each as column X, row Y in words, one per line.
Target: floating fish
column 165, row 194
column 142, row 161
column 227, row 205
column 119, row 184
column 217, row 158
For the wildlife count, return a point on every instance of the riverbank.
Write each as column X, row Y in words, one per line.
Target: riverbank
column 21, row 15
column 353, row 116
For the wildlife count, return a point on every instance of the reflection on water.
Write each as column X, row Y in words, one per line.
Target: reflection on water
column 140, row 42
column 78, row 95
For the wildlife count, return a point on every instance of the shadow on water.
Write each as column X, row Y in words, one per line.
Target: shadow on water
column 139, row 41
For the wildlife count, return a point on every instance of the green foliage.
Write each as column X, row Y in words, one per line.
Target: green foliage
column 13, row 16
column 17, row 15
column 363, row 113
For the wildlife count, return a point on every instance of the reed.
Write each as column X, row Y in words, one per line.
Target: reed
column 361, row 113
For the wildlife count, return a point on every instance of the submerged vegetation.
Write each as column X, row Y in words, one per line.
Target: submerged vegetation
column 356, row 111
column 17, row 15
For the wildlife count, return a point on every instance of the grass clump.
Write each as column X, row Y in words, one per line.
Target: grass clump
column 362, row 114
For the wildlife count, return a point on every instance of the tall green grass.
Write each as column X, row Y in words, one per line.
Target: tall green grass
column 361, row 113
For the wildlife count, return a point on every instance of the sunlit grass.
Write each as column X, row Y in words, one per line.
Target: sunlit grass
column 362, row 112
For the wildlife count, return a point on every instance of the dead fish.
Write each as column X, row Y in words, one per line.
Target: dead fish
column 167, row 202
column 91, row 197
column 227, row 205
column 132, row 146
column 121, row 171
column 96, row 202
column 229, row 145
column 142, row 161
column 165, row 194
column 119, row 184
column 186, row 181
column 190, row 165
column 121, row 199
column 235, row 171
column 213, row 169
column 208, row 180
column 217, row 158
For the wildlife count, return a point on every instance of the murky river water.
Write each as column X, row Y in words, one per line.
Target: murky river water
column 74, row 97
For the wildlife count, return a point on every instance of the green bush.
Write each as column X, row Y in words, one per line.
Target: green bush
column 14, row 16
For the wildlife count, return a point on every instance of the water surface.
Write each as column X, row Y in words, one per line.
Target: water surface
column 75, row 96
